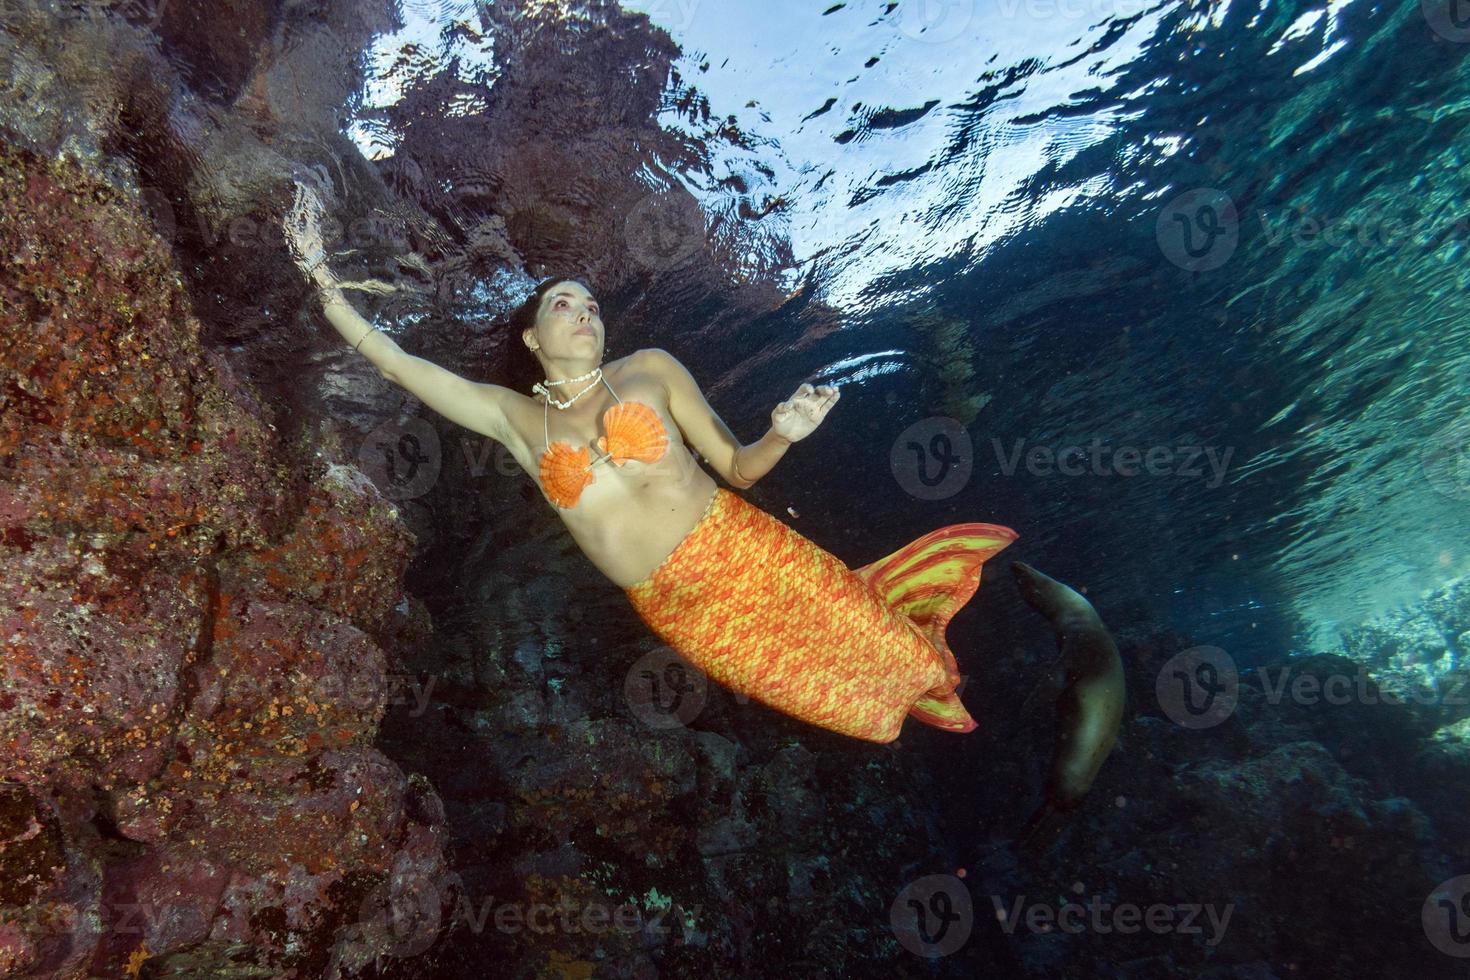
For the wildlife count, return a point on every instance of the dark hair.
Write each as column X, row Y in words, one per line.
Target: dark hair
column 522, row 369
column 525, row 314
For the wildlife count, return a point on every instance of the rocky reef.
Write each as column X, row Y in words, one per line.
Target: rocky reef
column 200, row 618
column 1421, row 652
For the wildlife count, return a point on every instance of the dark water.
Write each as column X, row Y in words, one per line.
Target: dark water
column 1218, row 247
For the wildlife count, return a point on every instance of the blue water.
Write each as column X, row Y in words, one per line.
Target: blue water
column 1016, row 171
column 994, row 200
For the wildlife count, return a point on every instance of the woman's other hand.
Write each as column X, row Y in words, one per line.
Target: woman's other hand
column 798, row 416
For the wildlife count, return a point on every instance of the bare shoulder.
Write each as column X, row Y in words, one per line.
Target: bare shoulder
column 657, row 362
column 653, row 356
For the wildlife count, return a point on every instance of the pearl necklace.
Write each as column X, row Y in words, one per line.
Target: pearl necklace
column 541, row 386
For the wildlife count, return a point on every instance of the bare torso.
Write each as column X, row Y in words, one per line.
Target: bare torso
column 632, row 516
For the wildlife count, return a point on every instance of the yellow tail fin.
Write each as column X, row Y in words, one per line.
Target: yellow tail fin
column 928, row 580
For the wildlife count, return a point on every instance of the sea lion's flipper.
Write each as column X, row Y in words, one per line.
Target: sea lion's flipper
column 930, row 578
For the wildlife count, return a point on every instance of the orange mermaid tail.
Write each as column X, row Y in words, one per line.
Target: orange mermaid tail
column 769, row 614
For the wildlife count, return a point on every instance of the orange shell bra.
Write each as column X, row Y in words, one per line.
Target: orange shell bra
column 634, row 431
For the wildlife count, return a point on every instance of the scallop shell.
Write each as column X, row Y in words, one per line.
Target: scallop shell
column 564, row 472
column 634, row 431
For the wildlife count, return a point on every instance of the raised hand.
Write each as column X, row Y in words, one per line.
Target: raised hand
column 798, row 416
column 303, row 223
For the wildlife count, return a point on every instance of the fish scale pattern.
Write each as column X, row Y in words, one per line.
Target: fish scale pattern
column 767, row 613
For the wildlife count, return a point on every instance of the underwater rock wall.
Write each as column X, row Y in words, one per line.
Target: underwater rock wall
column 1422, row 650
column 199, row 624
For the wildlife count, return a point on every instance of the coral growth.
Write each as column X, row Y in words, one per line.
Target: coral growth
column 195, row 619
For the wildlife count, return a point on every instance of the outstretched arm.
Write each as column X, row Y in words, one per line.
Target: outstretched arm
column 476, row 406
column 739, row 465
column 479, row 407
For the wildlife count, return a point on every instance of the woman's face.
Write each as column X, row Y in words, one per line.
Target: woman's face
column 569, row 323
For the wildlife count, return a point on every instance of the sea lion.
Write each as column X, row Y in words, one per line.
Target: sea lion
column 1089, row 708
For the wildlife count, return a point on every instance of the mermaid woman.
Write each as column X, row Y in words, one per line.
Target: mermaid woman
column 758, row 607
